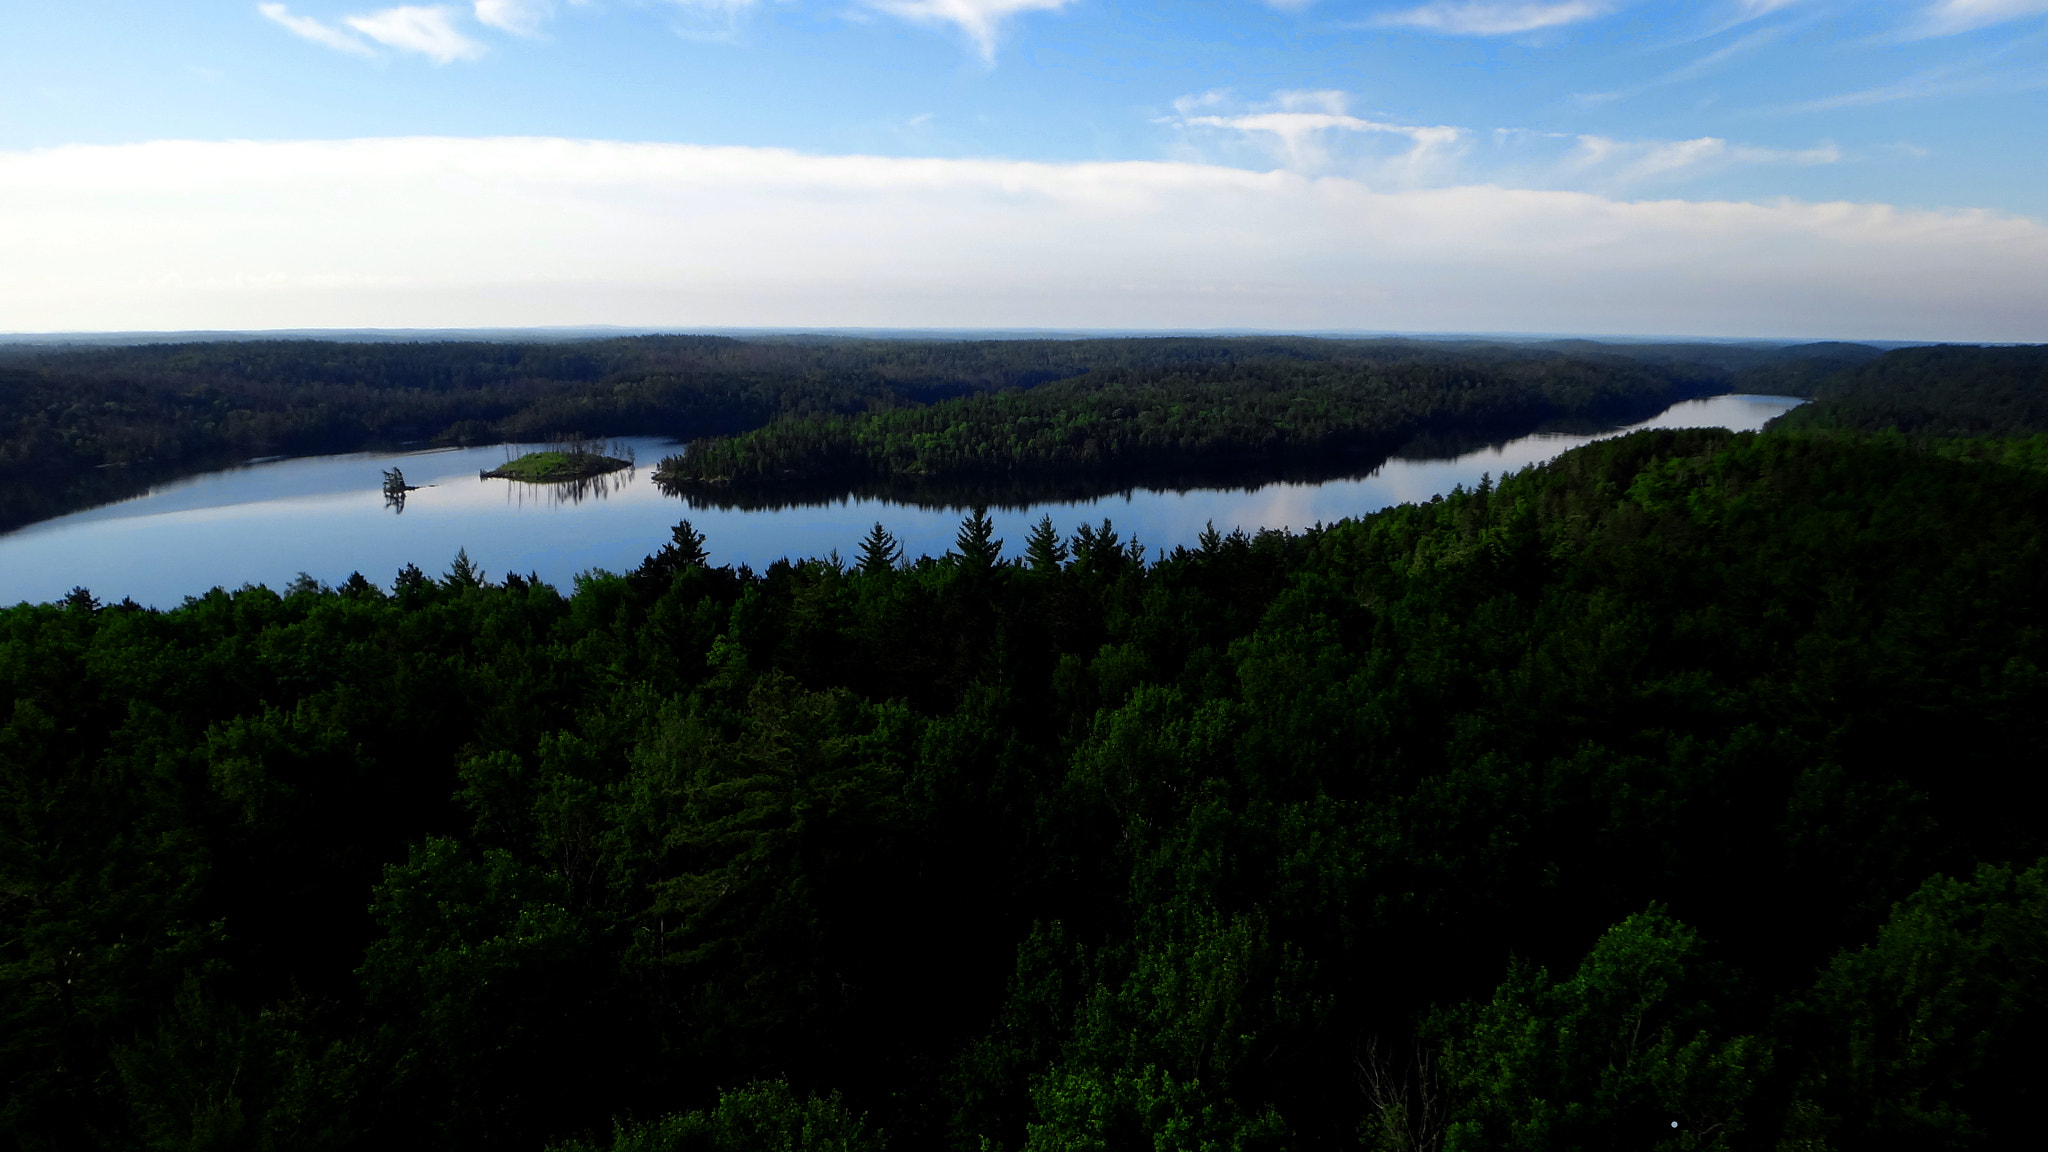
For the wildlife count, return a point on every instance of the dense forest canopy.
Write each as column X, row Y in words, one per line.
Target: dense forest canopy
column 82, row 425
column 1942, row 391
column 1123, row 422
column 1683, row 793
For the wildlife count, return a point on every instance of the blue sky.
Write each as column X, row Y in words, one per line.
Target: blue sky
column 1928, row 118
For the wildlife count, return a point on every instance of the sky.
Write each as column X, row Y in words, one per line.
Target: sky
column 1735, row 168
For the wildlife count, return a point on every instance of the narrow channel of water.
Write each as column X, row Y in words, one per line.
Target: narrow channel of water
column 264, row 523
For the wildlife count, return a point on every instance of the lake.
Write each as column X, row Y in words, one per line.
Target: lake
column 266, row 522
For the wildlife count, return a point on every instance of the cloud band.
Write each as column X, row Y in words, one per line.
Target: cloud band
column 469, row 232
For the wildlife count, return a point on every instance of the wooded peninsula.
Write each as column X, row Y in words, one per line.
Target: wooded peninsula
column 1682, row 793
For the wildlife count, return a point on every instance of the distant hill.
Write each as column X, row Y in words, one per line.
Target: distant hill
column 1941, row 391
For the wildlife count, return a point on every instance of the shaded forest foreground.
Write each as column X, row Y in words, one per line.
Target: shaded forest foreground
column 1683, row 793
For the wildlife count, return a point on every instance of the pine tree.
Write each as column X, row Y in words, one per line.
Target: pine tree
column 686, row 547
column 879, row 552
column 463, row 574
column 975, row 545
column 1044, row 548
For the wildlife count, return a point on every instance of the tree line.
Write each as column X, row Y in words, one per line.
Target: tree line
column 1122, row 422
column 82, row 425
column 1348, row 408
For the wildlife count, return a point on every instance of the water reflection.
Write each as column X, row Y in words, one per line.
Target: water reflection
column 327, row 516
column 555, row 493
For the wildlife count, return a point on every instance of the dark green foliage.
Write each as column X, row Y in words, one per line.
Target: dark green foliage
column 1538, row 816
column 1624, row 1053
column 879, row 551
column 975, row 545
column 1929, row 1038
column 684, row 550
column 763, row 1117
column 1329, row 403
column 1043, row 549
column 1944, row 391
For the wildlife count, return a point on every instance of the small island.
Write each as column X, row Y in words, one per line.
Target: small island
column 573, row 460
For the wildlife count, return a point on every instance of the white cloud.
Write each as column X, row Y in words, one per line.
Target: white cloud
column 1493, row 17
column 1625, row 163
column 308, row 28
column 1947, row 17
column 431, row 32
column 519, row 17
column 1298, row 124
column 1313, row 132
column 479, row 232
column 980, row 20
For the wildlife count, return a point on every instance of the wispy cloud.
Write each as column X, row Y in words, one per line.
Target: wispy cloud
column 431, row 32
column 519, row 17
column 537, row 231
column 1315, row 133
column 980, row 20
column 1494, row 17
column 1703, row 66
column 1948, row 80
column 1621, row 164
column 428, row 31
column 307, row 28
column 1740, row 46
column 1948, row 17
column 1298, row 124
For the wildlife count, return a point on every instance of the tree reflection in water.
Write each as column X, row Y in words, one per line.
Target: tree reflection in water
column 555, row 493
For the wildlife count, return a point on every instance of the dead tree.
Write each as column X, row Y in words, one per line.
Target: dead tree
column 1410, row 1109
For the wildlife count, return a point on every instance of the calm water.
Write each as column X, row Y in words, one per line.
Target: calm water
column 266, row 523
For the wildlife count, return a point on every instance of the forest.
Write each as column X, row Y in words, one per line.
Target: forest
column 83, row 425
column 1680, row 794
column 1232, row 421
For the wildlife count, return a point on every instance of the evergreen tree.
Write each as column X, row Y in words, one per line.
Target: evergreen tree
column 976, row 545
column 684, row 550
column 879, row 551
column 463, row 573
column 1044, row 548
column 410, row 580
column 686, row 547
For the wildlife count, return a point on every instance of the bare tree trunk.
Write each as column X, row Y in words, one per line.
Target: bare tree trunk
column 1410, row 1110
